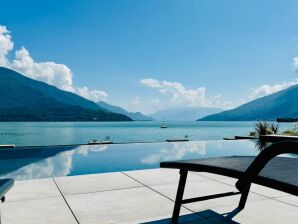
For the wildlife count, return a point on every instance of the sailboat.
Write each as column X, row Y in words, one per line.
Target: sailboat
column 163, row 123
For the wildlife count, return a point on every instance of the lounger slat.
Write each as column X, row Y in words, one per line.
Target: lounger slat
column 281, row 173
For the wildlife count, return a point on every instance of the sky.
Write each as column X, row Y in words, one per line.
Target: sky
column 157, row 54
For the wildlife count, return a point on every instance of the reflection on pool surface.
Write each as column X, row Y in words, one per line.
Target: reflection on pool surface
column 42, row 162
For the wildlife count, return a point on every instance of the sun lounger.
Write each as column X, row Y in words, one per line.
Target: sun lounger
column 5, row 185
column 280, row 173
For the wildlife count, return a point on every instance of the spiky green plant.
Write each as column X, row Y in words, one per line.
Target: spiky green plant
column 261, row 127
column 274, row 127
column 293, row 131
column 266, row 128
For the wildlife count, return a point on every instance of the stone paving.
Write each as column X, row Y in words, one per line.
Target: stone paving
column 143, row 196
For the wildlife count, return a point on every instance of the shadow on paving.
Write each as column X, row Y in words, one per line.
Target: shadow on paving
column 202, row 217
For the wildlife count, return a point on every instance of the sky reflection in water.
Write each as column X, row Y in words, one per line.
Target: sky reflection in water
column 42, row 162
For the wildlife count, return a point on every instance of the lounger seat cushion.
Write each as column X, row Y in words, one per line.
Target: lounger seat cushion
column 280, row 173
column 5, row 185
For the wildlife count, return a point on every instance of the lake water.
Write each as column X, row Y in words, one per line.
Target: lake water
column 41, row 162
column 62, row 133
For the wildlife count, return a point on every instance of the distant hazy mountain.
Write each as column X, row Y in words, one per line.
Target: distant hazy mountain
column 137, row 116
column 25, row 99
column 184, row 114
column 283, row 104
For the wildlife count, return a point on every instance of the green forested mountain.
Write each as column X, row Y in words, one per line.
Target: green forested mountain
column 25, row 99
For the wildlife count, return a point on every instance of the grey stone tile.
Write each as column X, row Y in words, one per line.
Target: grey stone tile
column 268, row 211
column 94, row 183
column 293, row 200
column 259, row 211
column 194, row 189
column 183, row 219
column 37, row 211
column 268, row 192
column 217, row 177
column 32, row 189
column 135, row 205
column 202, row 188
column 160, row 176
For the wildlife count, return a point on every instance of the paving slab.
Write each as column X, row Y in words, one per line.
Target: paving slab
column 94, row 183
column 183, row 219
column 268, row 192
column 194, row 189
column 202, row 188
column 215, row 176
column 293, row 200
column 37, row 211
column 135, row 205
column 259, row 211
column 32, row 189
column 117, row 198
column 265, row 191
column 160, row 176
column 268, row 211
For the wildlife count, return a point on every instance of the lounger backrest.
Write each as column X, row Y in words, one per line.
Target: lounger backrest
column 263, row 158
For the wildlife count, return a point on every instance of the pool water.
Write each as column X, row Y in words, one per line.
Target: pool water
column 42, row 162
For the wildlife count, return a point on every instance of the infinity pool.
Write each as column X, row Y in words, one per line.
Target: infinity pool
column 41, row 162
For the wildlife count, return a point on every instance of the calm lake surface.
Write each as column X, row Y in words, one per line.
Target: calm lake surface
column 41, row 162
column 61, row 133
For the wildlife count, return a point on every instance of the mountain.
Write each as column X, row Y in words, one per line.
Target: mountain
column 184, row 114
column 137, row 116
column 283, row 104
column 13, row 85
column 25, row 99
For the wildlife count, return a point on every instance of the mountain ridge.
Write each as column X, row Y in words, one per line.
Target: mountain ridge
column 136, row 116
column 277, row 105
column 25, row 99
column 184, row 114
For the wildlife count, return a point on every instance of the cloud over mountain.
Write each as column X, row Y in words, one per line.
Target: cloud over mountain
column 178, row 95
column 267, row 89
column 52, row 73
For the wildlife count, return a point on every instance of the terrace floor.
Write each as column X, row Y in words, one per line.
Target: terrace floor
column 144, row 196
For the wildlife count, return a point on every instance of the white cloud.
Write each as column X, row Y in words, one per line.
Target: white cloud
column 6, row 45
column 265, row 90
column 176, row 151
column 295, row 63
column 94, row 95
column 136, row 101
column 59, row 165
column 180, row 96
column 58, row 75
column 49, row 72
column 151, row 83
column 141, row 104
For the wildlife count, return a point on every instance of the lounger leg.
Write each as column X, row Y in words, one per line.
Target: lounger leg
column 243, row 198
column 179, row 196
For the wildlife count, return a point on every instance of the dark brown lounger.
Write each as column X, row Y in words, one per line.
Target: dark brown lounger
column 280, row 173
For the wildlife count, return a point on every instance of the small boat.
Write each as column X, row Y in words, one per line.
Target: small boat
column 185, row 139
column 163, row 124
column 97, row 142
column 177, row 140
column 94, row 142
column 7, row 146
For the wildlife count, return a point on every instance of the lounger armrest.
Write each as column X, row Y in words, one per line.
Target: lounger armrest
column 262, row 159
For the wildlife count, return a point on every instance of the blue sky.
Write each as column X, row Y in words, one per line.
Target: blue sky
column 150, row 55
